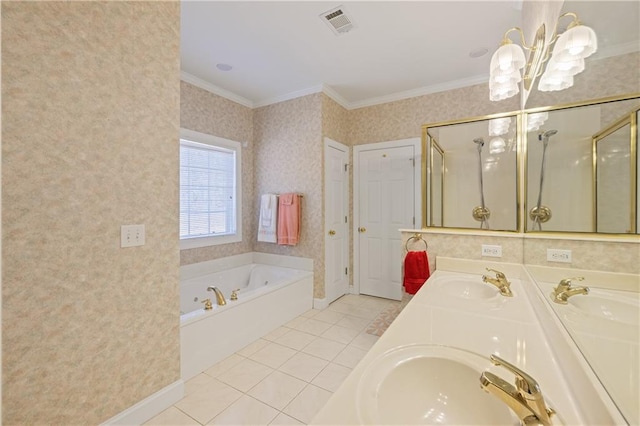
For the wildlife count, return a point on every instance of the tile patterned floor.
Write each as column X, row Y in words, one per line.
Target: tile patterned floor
column 285, row 377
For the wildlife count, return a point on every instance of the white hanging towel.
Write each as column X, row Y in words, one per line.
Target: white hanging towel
column 268, row 218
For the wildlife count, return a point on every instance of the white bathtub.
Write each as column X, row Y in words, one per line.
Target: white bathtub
column 269, row 296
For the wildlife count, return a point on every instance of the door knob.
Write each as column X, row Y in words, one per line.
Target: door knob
column 362, row 229
column 332, row 232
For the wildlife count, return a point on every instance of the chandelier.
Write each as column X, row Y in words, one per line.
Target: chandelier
column 570, row 48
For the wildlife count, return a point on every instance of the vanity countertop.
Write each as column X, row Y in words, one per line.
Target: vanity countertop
column 478, row 321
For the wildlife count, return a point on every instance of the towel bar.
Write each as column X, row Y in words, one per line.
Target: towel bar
column 416, row 237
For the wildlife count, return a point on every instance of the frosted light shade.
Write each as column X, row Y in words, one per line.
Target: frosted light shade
column 578, row 42
column 514, row 77
column 508, row 59
column 569, row 67
column 498, row 92
column 536, row 120
column 499, row 126
column 552, row 81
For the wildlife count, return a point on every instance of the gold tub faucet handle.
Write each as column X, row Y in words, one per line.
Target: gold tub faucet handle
column 207, row 304
column 234, row 294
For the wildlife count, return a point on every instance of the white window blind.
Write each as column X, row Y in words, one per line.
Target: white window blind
column 207, row 190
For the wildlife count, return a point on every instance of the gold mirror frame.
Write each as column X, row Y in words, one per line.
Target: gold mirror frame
column 633, row 168
column 521, row 155
column 427, row 191
column 436, row 147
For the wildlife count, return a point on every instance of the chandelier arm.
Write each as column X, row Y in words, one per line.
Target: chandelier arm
column 506, row 40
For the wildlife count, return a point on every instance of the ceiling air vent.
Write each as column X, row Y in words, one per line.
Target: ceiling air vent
column 338, row 20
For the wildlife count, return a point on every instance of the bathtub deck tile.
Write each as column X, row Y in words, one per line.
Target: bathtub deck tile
column 277, row 390
column 295, row 339
column 245, row 375
column 273, row 355
column 246, row 411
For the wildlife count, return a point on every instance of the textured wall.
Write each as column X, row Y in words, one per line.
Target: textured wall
column 90, row 110
column 288, row 151
column 205, row 112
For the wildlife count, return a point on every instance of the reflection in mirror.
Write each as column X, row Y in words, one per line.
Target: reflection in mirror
column 561, row 175
column 472, row 180
column 612, row 169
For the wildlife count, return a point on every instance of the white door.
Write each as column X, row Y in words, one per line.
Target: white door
column 336, row 281
column 387, row 177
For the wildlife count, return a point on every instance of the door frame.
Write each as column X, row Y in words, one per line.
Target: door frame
column 416, row 143
column 330, row 143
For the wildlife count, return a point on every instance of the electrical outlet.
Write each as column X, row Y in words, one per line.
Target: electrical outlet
column 131, row 235
column 491, row 251
column 556, row 255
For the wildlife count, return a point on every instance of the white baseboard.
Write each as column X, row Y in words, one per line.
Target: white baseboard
column 149, row 407
column 320, row 303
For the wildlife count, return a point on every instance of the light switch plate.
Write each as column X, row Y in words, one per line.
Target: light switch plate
column 557, row 255
column 491, row 251
column 131, row 235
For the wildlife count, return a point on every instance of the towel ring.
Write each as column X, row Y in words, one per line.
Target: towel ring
column 416, row 237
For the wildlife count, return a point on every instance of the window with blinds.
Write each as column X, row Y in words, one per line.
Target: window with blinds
column 208, row 190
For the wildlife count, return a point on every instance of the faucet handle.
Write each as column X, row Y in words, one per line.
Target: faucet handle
column 524, row 382
column 498, row 273
column 567, row 281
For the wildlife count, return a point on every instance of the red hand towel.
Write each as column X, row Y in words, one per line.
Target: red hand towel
column 416, row 270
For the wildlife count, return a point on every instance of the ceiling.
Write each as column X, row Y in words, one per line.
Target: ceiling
column 282, row 50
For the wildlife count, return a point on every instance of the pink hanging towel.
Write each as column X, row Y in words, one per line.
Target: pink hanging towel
column 289, row 219
column 416, row 271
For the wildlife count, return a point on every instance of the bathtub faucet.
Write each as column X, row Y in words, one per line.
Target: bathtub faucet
column 219, row 296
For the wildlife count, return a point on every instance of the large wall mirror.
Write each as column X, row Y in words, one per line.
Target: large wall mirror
column 581, row 168
column 471, row 178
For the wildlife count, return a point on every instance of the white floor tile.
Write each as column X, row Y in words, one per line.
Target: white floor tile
column 351, row 299
column 340, row 334
column 304, row 367
column 195, row 383
column 252, row 348
column 311, row 313
column 331, row 377
column 284, row 420
column 307, row 404
column 295, row 339
column 277, row 390
column 354, row 323
column 362, row 312
column 172, row 417
column 210, row 401
column 313, row 326
column 328, row 316
column 295, row 322
column 246, row 411
column 364, row 341
column 245, row 375
column 280, row 331
column 273, row 355
column 224, row 365
column 324, row 348
column 350, row 356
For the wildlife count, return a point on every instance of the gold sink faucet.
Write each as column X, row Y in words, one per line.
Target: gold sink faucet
column 219, row 296
column 525, row 398
column 499, row 281
column 564, row 290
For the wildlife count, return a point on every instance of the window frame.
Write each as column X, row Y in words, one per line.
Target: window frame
column 215, row 141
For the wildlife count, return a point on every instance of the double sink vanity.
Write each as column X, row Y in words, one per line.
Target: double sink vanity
column 484, row 343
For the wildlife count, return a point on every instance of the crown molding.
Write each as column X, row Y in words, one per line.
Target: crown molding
column 198, row 82
column 421, row 91
column 288, row 96
column 327, row 90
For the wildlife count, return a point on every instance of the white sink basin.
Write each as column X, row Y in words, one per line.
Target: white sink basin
column 466, row 288
column 428, row 385
column 606, row 308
